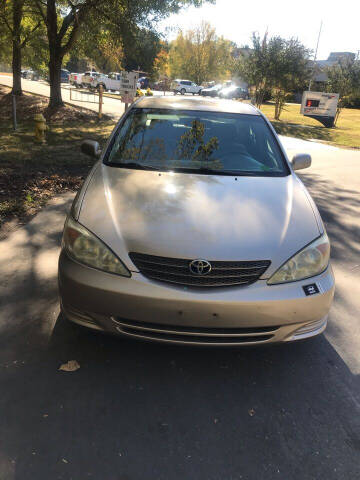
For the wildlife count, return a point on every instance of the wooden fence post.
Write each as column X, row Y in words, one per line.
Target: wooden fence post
column 101, row 90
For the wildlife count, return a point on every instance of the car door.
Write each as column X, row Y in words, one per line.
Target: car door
column 193, row 88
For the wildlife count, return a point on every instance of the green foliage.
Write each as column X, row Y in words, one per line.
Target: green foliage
column 274, row 65
column 344, row 79
column 200, row 55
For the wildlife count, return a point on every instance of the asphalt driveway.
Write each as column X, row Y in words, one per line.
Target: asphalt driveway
column 137, row 411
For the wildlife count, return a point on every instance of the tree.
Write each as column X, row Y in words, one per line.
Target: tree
column 274, row 65
column 18, row 19
column 200, row 55
column 254, row 68
column 64, row 19
column 344, row 79
column 289, row 69
column 161, row 67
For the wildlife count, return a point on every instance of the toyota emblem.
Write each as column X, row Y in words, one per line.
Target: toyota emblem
column 200, row 267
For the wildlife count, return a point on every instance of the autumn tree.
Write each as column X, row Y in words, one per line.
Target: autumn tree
column 200, row 55
column 65, row 18
column 161, row 66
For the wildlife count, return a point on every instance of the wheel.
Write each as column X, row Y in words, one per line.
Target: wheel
column 193, row 93
column 199, row 92
column 183, row 91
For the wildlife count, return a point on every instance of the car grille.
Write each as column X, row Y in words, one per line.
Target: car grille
column 194, row 335
column 176, row 270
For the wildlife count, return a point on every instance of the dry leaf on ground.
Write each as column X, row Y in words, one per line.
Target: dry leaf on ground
column 70, row 366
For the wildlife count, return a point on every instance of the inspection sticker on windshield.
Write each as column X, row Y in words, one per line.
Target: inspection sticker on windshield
column 311, row 289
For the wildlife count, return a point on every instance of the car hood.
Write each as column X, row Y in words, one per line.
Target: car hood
column 199, row 216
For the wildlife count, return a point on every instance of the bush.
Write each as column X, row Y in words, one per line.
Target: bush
column 351, row 101
column 139, row 93
column 149, row 93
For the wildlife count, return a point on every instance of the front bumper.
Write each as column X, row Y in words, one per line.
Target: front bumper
column 142, row 308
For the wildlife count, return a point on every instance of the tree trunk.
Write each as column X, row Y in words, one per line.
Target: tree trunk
column 16, row 47
column 55, row 77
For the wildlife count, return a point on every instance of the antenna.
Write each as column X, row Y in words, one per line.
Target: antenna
column 316, row 51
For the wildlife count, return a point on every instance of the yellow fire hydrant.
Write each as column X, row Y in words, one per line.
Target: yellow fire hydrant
column 40, row 128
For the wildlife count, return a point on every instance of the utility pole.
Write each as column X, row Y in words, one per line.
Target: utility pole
column 315, row 56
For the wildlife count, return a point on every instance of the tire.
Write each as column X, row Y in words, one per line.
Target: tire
column 183, row 91
column 199, row 92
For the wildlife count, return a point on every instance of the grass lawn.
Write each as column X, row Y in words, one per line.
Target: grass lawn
column 30, row 174
column 293, row 124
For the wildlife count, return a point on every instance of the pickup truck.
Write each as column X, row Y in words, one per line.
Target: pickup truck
column 115, row 81
column 75, row 79
column 88, row 77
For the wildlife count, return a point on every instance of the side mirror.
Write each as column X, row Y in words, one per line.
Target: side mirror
column 300, row 161
column 91, row 148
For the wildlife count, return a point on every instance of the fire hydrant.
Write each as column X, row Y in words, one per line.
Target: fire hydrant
column 40, row 128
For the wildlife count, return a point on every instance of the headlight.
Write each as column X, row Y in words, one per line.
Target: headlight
column 310, row 261
column 86, row 248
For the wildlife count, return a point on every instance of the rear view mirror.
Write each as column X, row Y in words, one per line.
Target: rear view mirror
column 91, row 148
column 300, row 161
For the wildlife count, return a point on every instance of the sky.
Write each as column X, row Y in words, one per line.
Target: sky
column 237, row 19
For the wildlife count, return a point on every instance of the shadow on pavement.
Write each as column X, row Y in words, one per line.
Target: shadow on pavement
column 339, row 208
column 135, row 410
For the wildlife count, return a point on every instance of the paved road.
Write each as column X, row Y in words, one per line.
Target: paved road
column 111, row 106
column 136, row 411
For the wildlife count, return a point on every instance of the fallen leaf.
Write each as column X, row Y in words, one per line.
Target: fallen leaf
column 64, row 460
column 251, row 412
column 70, row 366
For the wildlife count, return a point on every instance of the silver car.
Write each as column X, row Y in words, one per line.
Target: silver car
column 193, row 228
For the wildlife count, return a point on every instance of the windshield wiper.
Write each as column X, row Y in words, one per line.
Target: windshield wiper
column 139, row 166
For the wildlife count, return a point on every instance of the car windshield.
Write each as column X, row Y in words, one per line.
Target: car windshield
column 196, row 141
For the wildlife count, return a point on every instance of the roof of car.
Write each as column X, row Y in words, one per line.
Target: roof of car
column 196, row 103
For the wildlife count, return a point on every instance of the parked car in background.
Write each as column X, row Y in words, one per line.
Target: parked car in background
column 64, row 75
column 30, row 74
column 143, row 83
column 234, row 92
column 162, row 85
column 88, row 77
column 224, row 247
column 185, row 86
column 75, row 79
column 212, row 91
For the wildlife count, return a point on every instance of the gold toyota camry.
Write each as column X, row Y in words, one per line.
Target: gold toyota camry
column 193, row 228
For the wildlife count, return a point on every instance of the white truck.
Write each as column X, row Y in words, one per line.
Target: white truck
column 88, row 77
column 75, row 79
column 116, row 82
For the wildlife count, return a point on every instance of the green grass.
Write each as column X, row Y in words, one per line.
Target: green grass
column 30, row 173
column 293, row 124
